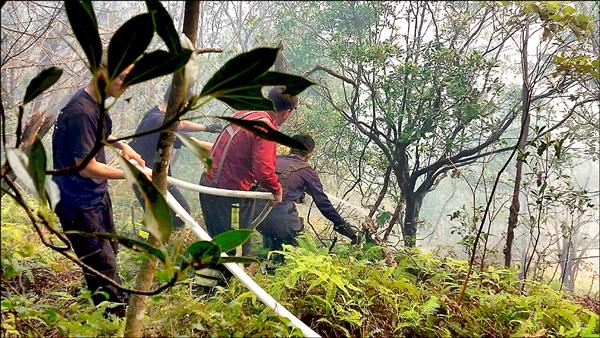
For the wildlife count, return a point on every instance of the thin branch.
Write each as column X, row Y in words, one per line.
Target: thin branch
column 332, row 73
column 208, row 50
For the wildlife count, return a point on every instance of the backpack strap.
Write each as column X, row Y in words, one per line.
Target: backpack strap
column 232, row 132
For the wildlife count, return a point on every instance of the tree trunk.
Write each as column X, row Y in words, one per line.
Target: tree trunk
column 145, row 277
column 395, row 216
column 413, row 202
column 572, row 269
column 515, row 206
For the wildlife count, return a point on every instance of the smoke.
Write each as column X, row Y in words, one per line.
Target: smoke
column 361, row 210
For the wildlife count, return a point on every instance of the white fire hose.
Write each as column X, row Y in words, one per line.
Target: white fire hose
column 234, row 268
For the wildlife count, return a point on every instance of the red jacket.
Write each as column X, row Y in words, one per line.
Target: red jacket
column 241, row 159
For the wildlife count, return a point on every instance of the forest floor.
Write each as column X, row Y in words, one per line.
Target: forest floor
column 350, row 293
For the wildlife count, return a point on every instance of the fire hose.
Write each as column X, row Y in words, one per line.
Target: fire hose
column 234, row 268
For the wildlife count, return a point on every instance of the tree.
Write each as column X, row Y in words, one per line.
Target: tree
column 137, row 303
column 421, row 82
column 559, row 23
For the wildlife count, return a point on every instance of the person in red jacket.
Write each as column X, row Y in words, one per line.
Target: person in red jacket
column 242, row 161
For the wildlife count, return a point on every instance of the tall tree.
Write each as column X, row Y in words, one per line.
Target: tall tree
column 526, row 99
column 559, row 24
column 145, row 277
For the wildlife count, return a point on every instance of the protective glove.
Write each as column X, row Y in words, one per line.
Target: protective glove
column 213, row 128
column 347, row 230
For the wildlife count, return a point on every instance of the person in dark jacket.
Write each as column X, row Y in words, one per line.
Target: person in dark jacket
column 146, row 147
column 297, row 178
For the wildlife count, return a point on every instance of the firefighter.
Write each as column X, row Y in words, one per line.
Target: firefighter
column 297, row 178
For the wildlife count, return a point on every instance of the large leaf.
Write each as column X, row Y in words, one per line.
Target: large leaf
column 263, row 130
column 37, row 168
column 87, row 5
column 157, row 214
column 229, row 240
column 164, row 26
column 204, row 252
column 44, row 80
column 83, row 23
column 128, row 43
column 19, row 163
column 238, row 83
column 240, row 71
column 155, row 64
column 125, row 241
column 201, row 153
column 245, row 98
column 30, row 169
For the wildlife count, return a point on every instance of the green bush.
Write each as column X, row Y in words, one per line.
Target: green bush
column 351, row 293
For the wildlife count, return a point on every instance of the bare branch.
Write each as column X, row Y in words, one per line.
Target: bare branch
column 332, row 73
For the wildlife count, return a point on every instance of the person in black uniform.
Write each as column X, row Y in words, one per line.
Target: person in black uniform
column 297, row 178
column 85, row 203
column 146, row 147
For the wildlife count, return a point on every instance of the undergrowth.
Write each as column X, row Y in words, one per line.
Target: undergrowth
column 351, row 293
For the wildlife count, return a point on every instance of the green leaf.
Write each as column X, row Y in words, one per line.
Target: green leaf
column 590, row 327
column 37, row 168
column 235, row 259
column 155, row 64
column 201, row 153
column 128, row 43
column 383, row 217
column 542, row 148
column 229, row 240
column 430, row 306
column 83, row 23
column 30, row 169
column 263, row 130
column 157, row 214
column 164, row 26
column 543, row 188
column 240, row 71
column 238, row 83
column 125, row 241
column 44, row 80
column 247, row 98
column 204, row 252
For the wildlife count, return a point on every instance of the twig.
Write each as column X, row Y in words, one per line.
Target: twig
column 332, row 73
column 208, row 50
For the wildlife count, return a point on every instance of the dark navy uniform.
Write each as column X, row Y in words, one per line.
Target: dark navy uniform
column 146, row 147
column 283, row 224
column 84, row 202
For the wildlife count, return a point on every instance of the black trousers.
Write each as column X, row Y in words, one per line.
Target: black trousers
column 99, row 254
column 222, row 214
column 173, row 190
column 281, row 226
